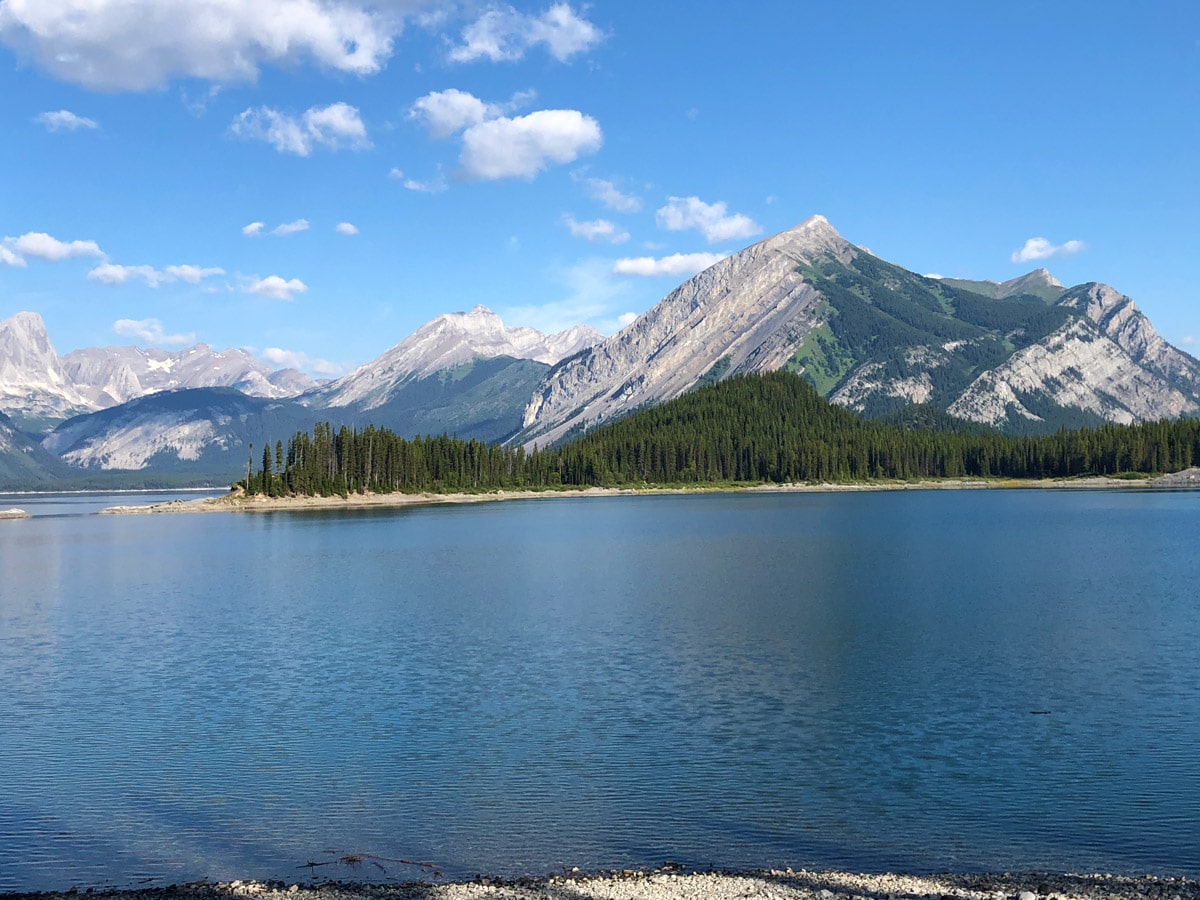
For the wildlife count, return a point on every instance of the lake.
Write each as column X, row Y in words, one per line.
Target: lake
column 919, row 681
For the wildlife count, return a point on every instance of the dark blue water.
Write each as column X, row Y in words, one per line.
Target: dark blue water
column 917, row 681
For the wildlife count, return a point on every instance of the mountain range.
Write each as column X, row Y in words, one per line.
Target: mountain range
column 1024, row 355
column 39, row 389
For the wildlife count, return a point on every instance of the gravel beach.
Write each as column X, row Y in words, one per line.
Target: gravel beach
column 238, row 502
column 669, row 884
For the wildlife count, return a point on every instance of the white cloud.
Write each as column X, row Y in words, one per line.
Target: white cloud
column 495, row 146
column 290, row 228
column 425, row 187
column 1039, row 248
column 599, row 230
column 275, row 288
column 141, row 44
column 345, row 228
column 676, row 264
column 504, row 34
column 65, row 120
column 111, row 273
column 8, row 258
column 710, row 219
column 592, row 296
column 606, row 192
column 338, row 126
column 627, row 319
column 40, row 245
column 114, row 274
column 435, row 186
column 295, row 359
column 253, row 229
column 193, row 274
column 150, row 331
column 521, row 147
column 445, row 112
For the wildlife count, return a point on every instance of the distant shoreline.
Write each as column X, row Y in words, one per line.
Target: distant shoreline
column 672, row 884
column 235, row 501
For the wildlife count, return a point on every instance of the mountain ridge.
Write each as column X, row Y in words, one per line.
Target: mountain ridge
column 39, row 388
column 446, row 341
column 874, row 337
column 673, row 334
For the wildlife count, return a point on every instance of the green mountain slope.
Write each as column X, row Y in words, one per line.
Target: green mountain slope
column 23, row 462
column 892, row 338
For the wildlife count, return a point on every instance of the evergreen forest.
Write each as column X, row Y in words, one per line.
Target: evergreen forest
column 772, row 428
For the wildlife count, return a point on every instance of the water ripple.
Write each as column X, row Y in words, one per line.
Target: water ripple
column 965, row 681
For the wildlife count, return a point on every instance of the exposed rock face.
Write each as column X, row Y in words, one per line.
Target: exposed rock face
column 112, row 375
column 137, row 442
column 201, row 429
column 34, row 387
column 450, row 340
column 750, row 309
column 38, row 388
column 1110, row 361
column 874, row 337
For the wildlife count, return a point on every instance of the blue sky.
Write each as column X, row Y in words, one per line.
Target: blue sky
column 314, row 179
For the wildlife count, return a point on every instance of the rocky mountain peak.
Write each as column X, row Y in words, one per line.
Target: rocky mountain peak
column 744, row 311
column 1045, row 277
column 811, row 239
column 34, row 388
column 445, row 342
column 24, row 336
column 1039, row 282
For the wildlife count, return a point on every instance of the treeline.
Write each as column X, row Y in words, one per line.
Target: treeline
column 750, row 428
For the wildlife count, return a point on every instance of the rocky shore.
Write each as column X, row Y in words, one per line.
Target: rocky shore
column 236, row 501
column 671, row 884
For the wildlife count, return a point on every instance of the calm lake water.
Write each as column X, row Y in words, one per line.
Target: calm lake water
column 1002, row 680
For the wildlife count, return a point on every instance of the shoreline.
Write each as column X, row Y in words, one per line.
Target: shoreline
column 671, row 883
column 235, row 501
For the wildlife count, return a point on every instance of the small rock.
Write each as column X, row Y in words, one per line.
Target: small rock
column 1027, row 895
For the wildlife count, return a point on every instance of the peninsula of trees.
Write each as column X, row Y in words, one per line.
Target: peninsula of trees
column 772, row 428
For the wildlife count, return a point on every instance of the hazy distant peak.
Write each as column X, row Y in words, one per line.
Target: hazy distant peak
column 23, row 340
column 25, row 320
column 447, row 341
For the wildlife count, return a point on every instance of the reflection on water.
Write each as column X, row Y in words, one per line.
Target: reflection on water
column 971, row 680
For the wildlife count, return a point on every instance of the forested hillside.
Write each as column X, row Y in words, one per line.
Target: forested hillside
column 753, row 428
